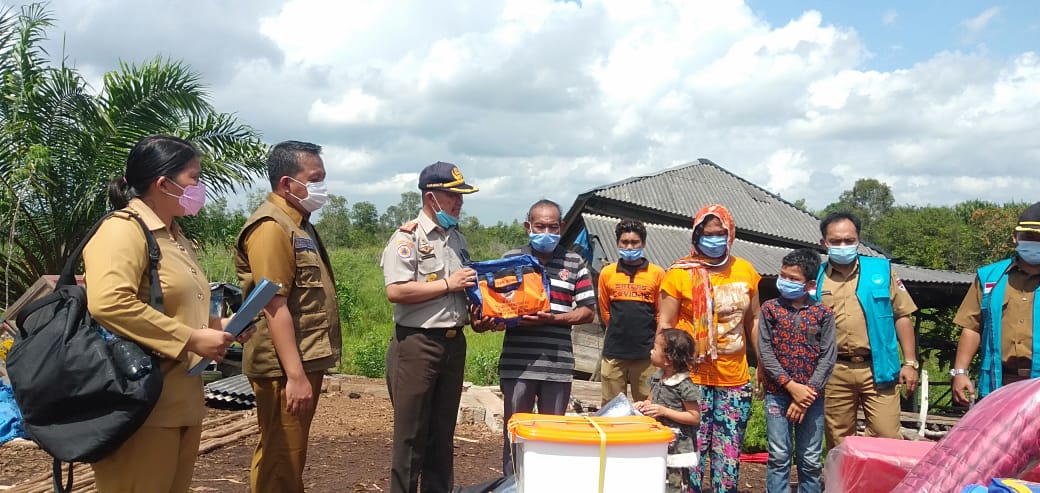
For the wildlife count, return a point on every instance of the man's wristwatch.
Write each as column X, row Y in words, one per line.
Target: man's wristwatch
column 911, row 363
column 957, row 371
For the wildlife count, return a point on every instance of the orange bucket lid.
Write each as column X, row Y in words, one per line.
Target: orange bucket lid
column 622, row 430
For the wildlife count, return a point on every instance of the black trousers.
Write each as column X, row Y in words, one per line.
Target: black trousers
column 424, row 372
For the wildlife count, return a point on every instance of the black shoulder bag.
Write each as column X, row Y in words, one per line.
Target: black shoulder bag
column 82, row 391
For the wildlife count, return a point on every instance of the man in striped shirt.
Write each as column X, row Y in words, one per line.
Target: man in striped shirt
column 537, row 363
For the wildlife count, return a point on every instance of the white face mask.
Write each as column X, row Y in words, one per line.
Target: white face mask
column 317, row 195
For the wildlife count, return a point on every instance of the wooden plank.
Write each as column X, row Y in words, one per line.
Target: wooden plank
column 587, row 340
column 588, row 335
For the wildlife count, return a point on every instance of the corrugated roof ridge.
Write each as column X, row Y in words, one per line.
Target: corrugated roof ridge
column 634, row 179
column 763, row 190
column 691, row 164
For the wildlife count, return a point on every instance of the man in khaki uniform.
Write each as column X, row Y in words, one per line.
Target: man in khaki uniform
column 872, row 324
column 425, row 279
column 1001, row 312
column 299, row 333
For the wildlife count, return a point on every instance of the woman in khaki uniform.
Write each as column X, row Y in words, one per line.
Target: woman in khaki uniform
column 161, row 182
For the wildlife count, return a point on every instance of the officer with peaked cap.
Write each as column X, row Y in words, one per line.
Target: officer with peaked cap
column 425, row 280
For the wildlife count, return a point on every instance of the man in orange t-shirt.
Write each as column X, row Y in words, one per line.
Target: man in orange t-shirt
column 628, row 310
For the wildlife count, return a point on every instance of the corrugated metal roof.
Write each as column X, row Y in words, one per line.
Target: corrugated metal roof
column 685, row 189
column 234, row 390
column 665, row 244
column 921, row 274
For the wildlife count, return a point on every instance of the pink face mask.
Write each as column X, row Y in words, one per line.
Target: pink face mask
column 192, row 199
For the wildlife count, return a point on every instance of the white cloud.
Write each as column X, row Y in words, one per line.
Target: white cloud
column 540, row 98
column 344, row 162
column 394, row 185
column 787, row 170
column 354, row 108
column 977, row 24
column 314, row 31
column 889, row 17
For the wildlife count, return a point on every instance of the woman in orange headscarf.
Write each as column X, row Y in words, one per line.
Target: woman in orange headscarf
column 713, row 295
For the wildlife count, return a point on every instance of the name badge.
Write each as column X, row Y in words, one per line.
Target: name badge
column 301, row 243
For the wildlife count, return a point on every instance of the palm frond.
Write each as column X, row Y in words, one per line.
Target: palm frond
column 60, row 144
column 233, row 154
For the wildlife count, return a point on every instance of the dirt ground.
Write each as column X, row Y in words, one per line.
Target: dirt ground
column 349, row 452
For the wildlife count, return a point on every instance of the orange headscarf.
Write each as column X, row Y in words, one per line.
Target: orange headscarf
column 702, row 297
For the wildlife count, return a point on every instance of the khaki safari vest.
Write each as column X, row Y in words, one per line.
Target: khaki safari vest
column 311, row 301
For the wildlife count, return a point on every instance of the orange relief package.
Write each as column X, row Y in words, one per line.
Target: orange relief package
column 509, row 288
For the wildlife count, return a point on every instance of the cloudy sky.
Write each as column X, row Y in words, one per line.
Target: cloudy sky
column 541, row 99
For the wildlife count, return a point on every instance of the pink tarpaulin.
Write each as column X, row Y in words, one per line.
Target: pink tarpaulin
column 998, row 438
column 869, row 465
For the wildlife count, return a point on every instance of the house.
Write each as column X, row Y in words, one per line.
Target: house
column 768, row 227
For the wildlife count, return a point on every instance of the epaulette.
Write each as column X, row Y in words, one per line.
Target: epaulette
column 408, row 227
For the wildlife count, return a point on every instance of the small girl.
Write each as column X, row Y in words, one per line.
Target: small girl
column 674, row 401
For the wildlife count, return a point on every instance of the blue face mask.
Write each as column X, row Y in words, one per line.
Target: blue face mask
column 630, row 255
column 713, row 246
column 544, row 242
column 1029, row 251
column 789, row 289
column 843, row 255
column 447, row 221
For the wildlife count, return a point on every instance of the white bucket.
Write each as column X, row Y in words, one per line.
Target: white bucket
column 563, row 454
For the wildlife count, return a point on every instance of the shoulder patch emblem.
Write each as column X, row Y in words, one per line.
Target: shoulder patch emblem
column 899, row 284
column 404, row 251
column 409, row 227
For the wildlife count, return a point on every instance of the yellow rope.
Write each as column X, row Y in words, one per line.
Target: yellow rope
column 602, row 451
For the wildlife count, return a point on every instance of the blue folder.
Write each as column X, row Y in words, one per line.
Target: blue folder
column 262, row 294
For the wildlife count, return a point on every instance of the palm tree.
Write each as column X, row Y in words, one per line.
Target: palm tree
column 60, row 143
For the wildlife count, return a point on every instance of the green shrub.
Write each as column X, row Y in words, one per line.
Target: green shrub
column 482, row 351
column 755, row 436
column 367, row 355
column 349, row 308
column 482, row 366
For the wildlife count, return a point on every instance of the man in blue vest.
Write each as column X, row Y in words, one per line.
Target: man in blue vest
column 872, row 324
column 1001, row 312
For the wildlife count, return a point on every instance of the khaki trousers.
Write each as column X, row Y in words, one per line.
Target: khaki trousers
column 153, row 460
column 616, row 375
column 851, row 386
column 281, row 452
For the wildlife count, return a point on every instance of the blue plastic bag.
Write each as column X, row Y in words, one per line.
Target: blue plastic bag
column 10, row 416
column 999, row 485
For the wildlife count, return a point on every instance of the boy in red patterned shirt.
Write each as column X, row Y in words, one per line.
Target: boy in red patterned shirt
column 796, row 342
